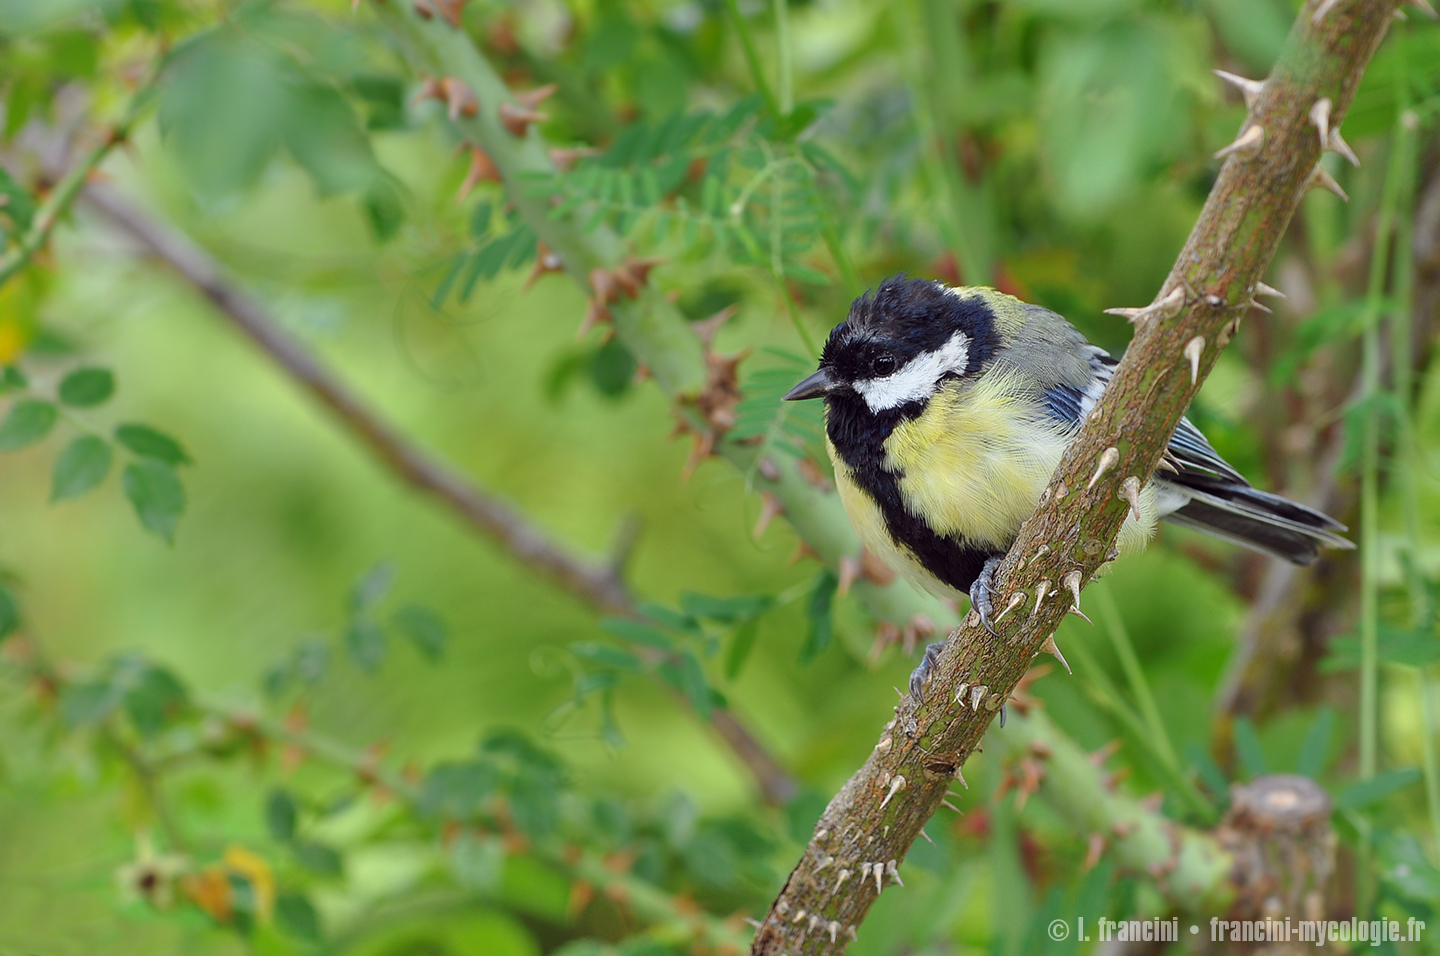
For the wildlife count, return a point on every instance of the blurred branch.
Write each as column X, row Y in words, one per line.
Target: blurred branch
column 66, row 190
column 598, row 585
column 1191, row 867
column 877, row 815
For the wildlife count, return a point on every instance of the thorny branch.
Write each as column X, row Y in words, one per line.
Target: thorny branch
column 599, row 586
column 871, row 823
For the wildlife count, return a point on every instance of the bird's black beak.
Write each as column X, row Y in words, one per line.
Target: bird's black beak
column 814, row 386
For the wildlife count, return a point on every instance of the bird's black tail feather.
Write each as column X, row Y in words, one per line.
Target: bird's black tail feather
column 1255, row 519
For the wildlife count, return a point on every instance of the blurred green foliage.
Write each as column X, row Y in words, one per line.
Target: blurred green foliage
column 279, row 704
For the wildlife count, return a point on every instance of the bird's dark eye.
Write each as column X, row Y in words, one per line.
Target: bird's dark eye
column 883, row 365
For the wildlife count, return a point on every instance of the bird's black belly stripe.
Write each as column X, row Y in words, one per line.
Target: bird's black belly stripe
column 859, row 438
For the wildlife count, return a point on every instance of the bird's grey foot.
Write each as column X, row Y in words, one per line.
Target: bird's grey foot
column 919, row 674
column 1002, row 716
column 981, row 589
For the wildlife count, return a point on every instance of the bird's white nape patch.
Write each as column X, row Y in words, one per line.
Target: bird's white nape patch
column 918, row 378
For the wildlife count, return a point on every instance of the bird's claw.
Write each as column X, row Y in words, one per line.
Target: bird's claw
column 919, row 675
column 981, row 589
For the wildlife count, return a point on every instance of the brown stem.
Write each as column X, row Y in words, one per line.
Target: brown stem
column 879, row 812
column 598, row 585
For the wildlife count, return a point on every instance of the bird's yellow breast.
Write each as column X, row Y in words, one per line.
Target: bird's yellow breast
column 974, row 463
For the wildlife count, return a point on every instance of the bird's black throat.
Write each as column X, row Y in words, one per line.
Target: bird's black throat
column 858, row 435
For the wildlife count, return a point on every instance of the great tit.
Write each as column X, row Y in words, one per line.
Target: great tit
column 947, row 411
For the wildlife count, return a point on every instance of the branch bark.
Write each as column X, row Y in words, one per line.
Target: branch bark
column 598, row 585
column 871, row 823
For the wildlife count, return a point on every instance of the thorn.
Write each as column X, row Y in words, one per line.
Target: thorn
column 960, row 693
column 1041, row 593
column 926, row 836
column 1082, row 616
column 1247, row 144
column 1109, row 458
column 531, row 99
column 1071, row 583
column 595, row 314
column 843, row 876
column 566, row 158
column 897, row 783
column 424, row 9
column 1399, row 15
column 459, row 98
column 1193, row 350
column 782, row 907
column 799, row 916
column 992, row 703
column 482, row 170
column 1322, row 179
column 833, row 928
column 850, row 931
column 517, row 119
column 1338, row 144
column 892, row 870
column 814, row 922
column 634, row 273
column 449, row 10
column 753, row 922
column 824, row 863
column 961, row 777
column 1320, row 119
column 948, row 804
column 977, row 694
column 1263, row 289
column 546, row 262
column 1426, row 8
column 1061, row 490
column 1099, row 757
column 1040, row 552
column 1049, row 647
column 1249, row 89
column 1129, row 315
column 1253, row 304
column 849, row 574
column 1016, row 599
column 1095, row 846
column 706, row 328
column 1130, row 493
column 1323, row 8
column 883, row 747
column 878, row 871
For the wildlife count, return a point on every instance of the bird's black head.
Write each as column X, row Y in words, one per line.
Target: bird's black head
column 899, row 344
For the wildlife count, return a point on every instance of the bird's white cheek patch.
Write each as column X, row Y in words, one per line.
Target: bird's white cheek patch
column 917, row 380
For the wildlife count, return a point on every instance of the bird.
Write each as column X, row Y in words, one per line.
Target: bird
column 947, row 411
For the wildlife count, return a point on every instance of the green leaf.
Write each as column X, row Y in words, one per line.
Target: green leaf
column 19, row 205
column 9, row 613
column 225, row 98
column 1377, row 788
column 12, row 378
column 1248, row 749
column 366, row 643
column 424, row 627
column 456, row 791
column 156, row 494
column 742, row 642
column 153, row 697
column 636, row 633
column 693, row 684
column 81, row 466
column 28, row 421
column 147, row 442
column 607, row 656
column 280, row 815
column 319, row 858
column 296, row 914
column 372, row 587
column 88, row 703
column 87, row 387
column 725, row 610
column 324, row 135
column 384, row 208
column 822, row 625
